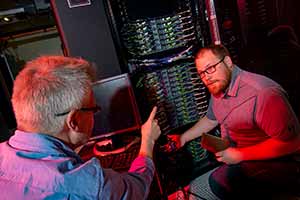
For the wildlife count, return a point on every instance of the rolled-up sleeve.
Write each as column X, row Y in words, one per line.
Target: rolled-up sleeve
column 134, row 184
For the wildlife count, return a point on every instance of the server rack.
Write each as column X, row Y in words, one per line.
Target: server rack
column 158, row 43
column 158, row 49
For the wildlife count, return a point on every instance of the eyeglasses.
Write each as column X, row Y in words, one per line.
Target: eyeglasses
column 94, row 109
column 211, row 69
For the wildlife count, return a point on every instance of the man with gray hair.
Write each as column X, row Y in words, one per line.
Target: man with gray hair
column 54, row 105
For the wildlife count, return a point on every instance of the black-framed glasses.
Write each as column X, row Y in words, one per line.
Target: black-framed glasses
column 91, row 109
column 211, row 69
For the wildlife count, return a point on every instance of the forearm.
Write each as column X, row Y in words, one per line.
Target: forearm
column 146, row 148
column 142, row 171
column 202, row 126
column 269, row 149
column 132, row 185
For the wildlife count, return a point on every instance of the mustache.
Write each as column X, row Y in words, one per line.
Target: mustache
column 209, row 82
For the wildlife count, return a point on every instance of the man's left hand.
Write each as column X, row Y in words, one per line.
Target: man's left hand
column 229, row 156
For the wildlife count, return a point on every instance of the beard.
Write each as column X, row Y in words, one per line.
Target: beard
column 219, row 86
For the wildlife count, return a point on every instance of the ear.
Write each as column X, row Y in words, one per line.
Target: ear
column 72, row 121
column 228, row 62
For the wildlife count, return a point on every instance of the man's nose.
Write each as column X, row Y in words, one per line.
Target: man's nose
column 207, row 76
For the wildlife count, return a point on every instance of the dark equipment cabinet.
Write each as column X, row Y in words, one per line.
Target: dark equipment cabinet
column 158, row 40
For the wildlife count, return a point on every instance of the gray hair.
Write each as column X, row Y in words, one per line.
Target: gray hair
column 49, row 85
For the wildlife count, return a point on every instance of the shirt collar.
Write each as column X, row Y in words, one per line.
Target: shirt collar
column 234, row 83
column 42, row 145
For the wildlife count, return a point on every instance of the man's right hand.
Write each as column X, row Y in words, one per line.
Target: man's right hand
column 150, row 132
